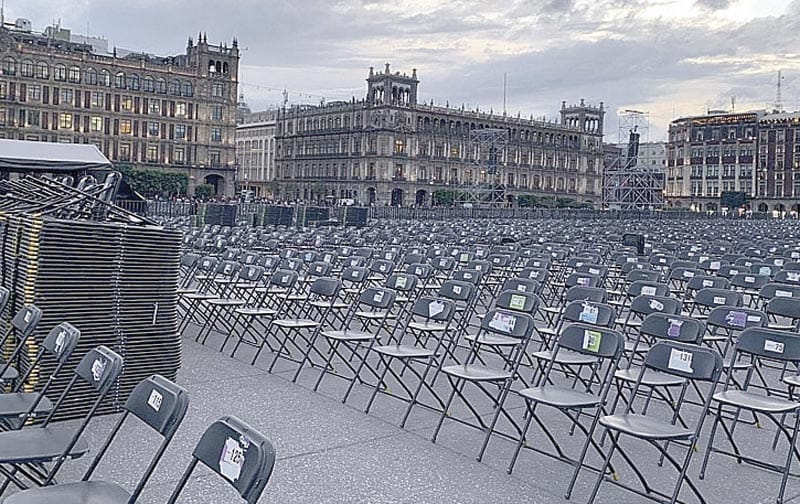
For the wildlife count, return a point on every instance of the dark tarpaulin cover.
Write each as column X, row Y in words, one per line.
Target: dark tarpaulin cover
column 22, row 156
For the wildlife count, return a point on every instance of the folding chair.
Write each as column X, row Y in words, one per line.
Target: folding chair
column 784, row 309
column 24, row 452
column 497, row 322
column 238, row 453
column 22, row 326
column 18, row 406
column 157, row 402
column 684, row 362
column 605, row 347
column 760, row 344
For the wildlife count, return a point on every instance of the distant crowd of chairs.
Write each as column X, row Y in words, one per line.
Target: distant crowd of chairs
column 34, row 447
column 553, row 315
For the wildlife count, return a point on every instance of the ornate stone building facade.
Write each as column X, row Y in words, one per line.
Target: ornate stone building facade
column 255, row 152
column 166, row 113
column 390, row 149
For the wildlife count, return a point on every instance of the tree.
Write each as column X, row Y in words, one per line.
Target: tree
column 154, row 182
column 732, row 199
column 203, row 191
column 444, row 197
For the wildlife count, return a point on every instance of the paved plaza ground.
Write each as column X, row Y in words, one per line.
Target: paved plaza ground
column 333, row 453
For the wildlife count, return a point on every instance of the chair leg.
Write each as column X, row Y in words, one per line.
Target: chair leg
column 789, row 457
column 606, row 463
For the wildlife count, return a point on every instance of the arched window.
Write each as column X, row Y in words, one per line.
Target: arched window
column 9, row 66
column 105, row 78
column 60, row 72
column 175, row 87
column 149, row 84
column 188, row 89
column 42, row 70
column 225, row 67
column 161, row 86
column 134, row 82
column 90, row 76
column 218, row 65
column 74, row 74
column 119, row 80
column 26, row 68
column 212, row 67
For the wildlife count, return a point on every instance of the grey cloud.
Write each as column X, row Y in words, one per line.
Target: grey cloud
column 713, row 4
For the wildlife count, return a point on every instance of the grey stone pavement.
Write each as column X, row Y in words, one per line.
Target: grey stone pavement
column 329, row 452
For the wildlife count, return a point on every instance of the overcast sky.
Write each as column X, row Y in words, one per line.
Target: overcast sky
column 669, row 58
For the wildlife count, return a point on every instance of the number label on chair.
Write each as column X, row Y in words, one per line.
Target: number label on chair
column 720, row 300
column 737, row 318
column 656, row 305
column 588, row 314
column 783, row 293
column 401, row 282
column 680, row 360
column 591, row 340
column 231, row 460
column 503, row 322
column 773, row 346
column 155, row 400
column 457, row 290
column 435, row 308
column 649, row 290
column 750, row 279
column 517, row 302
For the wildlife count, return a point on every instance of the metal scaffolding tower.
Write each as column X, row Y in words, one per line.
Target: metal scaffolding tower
column 627, row 185
column 482, row 185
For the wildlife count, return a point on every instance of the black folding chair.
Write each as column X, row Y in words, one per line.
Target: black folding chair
column 22, row 326
column 157, row 402
column 686, row 362
column 238, row 453
column 759, row 344
column 24, row 452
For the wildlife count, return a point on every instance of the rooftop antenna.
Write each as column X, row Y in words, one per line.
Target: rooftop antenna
column 2, row 12
column 505, row 91
column 778, row 97
column 733, row 103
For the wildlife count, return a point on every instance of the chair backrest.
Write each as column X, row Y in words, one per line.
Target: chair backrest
column 526, row 302
column 521, row 285
column 377, row 297
column 707, row 282
column 5, row 295
column 771, row 344
column 665, row 326
column 283, row 278
column 325, row 287
column 162, row 406
column 61, row 341
column 645, row 305
column 243, row 456
column 589, row 312
column 26, row 320
column 509, row 323
column 749, row 281
column 776, row 290
column 381, row 266
column 434, row 309
column 456, row 290
column 401, row 282
column 471, row 276
column 420, row 270
column 537, row 274
column 582, row 280
column 784, row 307
column 711, row 297
column 100, row 367
column 688, row 361
column 576, row 293
column 355, row 274
column 735, row 318
column 648, row 288
column 592, row 340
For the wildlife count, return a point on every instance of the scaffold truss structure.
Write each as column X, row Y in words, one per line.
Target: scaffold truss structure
column 627, row 185
column 482, row 186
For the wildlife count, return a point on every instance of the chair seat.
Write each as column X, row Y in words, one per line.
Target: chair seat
column 295, row 323
column 549, row 331
column 10, row 374
column 645, row 427
column 476, row 372
column 348, row 335
column 493, row 339
column 404, row 351
column 651, row 378
column 560, row 397
column 82, row 492
column 271, row 290
column 186, row 290
column 37, row 444
column 792, row 380
column 199, row 295
column 557, row 310
column 225, row 302
column 255, row 312
column 427, row 326
column 375, row 315
column 566, row 357
column 17, row 404
column 756, row 402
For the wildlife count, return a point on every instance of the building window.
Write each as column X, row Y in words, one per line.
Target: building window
column 2, row 116
column 161, row 86
column 155, row 107
column 74, row 74
column 133, row 82
column 180, row 109
column 152, row 153
column 97, row 123
column 399, row 147
column 124, row 152
column 105, row 78
column 216, row 134
column 127, row 103
column 175, row 88
column 34, row 92
column 152, row 129
column 214, row 158
column 149, row 84
column 188, row 89
column 125, row 127
column 60, row 73
column 67, row 96
column 26, row 68
column 9, row 66
column 216, row 112
column 65, row 121
column 97, row 100
column 3, row 90
column 42, row 70
column 217, row 90
column 90, row 76
column 180, row 132
column 119, row 80
column 179, row 155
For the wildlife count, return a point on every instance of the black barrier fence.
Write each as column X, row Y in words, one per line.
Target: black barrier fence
column 261, row 214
